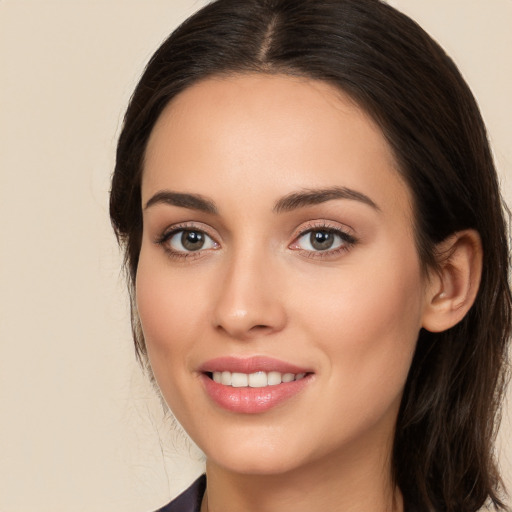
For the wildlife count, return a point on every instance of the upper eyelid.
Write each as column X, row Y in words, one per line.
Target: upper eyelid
column 184, row 226
column 317, row 225
column 343, row 234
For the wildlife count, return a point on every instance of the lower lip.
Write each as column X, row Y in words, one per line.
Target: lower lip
column 252, row 400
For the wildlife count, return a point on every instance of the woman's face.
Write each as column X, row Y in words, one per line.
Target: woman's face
column 278, row 259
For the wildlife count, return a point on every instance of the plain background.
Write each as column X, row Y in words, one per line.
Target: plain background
column 80, row 428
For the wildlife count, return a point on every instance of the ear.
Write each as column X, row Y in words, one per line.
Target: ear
column 452, row 287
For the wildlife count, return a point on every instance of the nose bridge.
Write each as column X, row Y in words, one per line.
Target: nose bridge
column 249, row 302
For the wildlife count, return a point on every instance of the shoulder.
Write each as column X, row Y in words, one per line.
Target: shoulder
column 189, row 500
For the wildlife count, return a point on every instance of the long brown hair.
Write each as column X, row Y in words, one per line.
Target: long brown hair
column 443, row 449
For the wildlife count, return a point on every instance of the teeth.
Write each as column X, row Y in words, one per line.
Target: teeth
column 239, row 380
column 274, row 378
column 255, row 380
column 258, row 380
column 225, row 378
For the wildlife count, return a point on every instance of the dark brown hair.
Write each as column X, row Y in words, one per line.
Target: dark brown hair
column 443, row 449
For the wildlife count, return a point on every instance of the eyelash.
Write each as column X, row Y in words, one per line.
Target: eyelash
column 347, row 241
column 163, row 240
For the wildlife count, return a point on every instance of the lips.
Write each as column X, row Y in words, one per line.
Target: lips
column 252, row 385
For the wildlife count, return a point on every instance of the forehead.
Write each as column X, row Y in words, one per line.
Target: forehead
column 269, row 133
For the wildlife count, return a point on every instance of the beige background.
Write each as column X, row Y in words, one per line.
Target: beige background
column 80, row 429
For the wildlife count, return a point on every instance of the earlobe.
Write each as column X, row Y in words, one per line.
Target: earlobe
column 453, row 286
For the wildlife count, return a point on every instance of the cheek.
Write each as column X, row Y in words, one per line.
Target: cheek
column 169, row 310
column 367, row 322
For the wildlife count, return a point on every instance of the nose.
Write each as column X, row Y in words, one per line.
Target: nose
column 250, row 301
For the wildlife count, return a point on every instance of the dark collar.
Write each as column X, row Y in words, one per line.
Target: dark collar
column 189, row 500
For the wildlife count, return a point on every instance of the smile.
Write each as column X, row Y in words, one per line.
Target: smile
column 253, row 385
column 254, row 380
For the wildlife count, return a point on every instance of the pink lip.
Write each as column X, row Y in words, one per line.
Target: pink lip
column 251, row 400
column 250, row 365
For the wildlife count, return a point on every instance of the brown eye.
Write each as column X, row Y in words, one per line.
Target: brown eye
column 192, row 240
column 188, row 240
column 321, row 240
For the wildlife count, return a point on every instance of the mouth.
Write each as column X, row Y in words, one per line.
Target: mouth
column 258, row 379
column 252, row 385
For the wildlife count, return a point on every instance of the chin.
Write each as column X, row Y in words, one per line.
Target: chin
column 254, row 464
column 253, row 456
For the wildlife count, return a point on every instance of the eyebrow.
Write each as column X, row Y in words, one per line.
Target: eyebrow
column 290, row 202
column 190, row 201
column 309, row 197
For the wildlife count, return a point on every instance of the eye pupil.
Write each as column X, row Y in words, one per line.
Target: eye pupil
column 321, row 240
column 192, row 240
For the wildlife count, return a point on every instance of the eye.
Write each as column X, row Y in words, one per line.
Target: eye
column 189, row 240
column 323, row 240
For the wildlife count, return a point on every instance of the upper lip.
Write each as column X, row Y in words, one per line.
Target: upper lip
column 250, row 365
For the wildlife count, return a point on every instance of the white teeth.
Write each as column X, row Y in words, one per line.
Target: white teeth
column 239, row 380
column 258, row 380
column 254, row 380
column 274, row 378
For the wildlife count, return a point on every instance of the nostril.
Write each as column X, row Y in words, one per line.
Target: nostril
column 259, row 327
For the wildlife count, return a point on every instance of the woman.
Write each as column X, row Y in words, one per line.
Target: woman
column 318, row 259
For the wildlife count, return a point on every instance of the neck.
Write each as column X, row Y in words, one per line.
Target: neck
column 348, row 482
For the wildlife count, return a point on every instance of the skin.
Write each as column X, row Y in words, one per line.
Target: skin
column 352, row 315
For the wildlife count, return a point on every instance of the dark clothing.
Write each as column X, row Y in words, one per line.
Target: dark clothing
column 190, row 499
